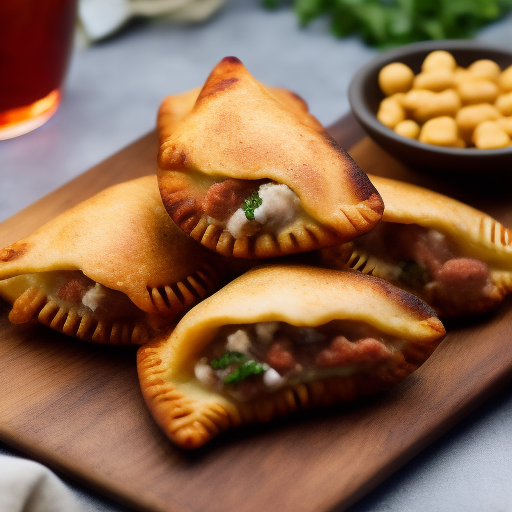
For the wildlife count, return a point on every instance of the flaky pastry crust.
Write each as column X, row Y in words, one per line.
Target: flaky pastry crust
column 239, row 129
column 190, row 414
column 123, row 239
column 176, row 106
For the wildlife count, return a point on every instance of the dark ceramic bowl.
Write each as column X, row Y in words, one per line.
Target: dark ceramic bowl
column 365, row 96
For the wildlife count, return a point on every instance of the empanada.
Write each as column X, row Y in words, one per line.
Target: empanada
column 453, row 256
column 248, row 173
column 114, row 269
column 278, row 339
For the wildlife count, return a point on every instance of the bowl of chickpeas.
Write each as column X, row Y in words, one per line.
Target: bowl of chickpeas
column 439, row 105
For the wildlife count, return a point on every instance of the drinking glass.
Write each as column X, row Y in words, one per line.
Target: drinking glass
column 36, row 39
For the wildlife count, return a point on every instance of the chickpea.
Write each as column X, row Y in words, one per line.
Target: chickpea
column 461, row 75
column 506, row 79
column 505, row 123
column 439, row 59
column 441, row 131
column 425, row 105
column 472, row 115
column 395, row 77
column 398, row 96
column 435, row 80
column 408, row 128
column 415, row 97
column 504, row 104
column 390, row 112
column 485, row 68
column 489, row 135
column 469, row 117
column 478, row 91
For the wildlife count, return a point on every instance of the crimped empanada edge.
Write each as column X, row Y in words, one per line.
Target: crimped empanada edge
column 34, row 304
column 261, row 245
column 175, row 298
column 176, row 414
column 186, row 214
column 168, row 302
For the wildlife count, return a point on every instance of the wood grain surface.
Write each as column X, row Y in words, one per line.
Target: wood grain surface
column 77, row 407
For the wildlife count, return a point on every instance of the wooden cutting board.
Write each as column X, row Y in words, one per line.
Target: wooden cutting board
column 77, row 406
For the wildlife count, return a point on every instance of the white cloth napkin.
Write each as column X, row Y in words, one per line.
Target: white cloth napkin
column 26, row 486
column 100, row 18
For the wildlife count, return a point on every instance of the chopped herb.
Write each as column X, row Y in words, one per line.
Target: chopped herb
column 387, row 23
column 413, row 275
column 251, row 204
column 246, row 369
column 227, row 358
column 242, row 367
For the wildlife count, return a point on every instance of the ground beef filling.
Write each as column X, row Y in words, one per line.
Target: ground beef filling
column 247, row 361
column 224, row 198
column 429, row 264
column 82, row 293
column 244, row 207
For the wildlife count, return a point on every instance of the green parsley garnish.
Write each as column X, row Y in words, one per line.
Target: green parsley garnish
column 251, row 204
column 387, row 23
column 242, row 366
column 413, row 275
column 227, row 358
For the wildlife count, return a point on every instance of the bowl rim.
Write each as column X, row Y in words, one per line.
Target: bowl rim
column 366, row 116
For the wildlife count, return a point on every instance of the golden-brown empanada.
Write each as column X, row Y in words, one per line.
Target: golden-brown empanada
column 114, row 269
column 453, row 256
column 278, row 339
column 248, row 174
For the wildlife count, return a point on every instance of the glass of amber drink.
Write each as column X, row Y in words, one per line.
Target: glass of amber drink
column 36, row 38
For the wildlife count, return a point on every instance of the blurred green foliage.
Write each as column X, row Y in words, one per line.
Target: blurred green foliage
column 387, row 23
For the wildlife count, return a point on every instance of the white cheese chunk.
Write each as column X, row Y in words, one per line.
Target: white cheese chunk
column 279, row 204
column 94, row 296
column 239, row 225
column 204, row 372
column 239, row 341
column 272, row 378
column 279, row 207
column 265, row 331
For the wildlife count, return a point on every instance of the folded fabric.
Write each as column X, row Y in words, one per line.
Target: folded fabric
column 100, row 18
column 26, row 486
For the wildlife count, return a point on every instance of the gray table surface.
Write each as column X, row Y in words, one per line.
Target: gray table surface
column 112, row 94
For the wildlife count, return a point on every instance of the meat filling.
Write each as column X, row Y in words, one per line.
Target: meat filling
column 82, row 292
column 431, row 265
column 244, row 207
column 247, row 361
column 74, row 290
column 224, row 198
